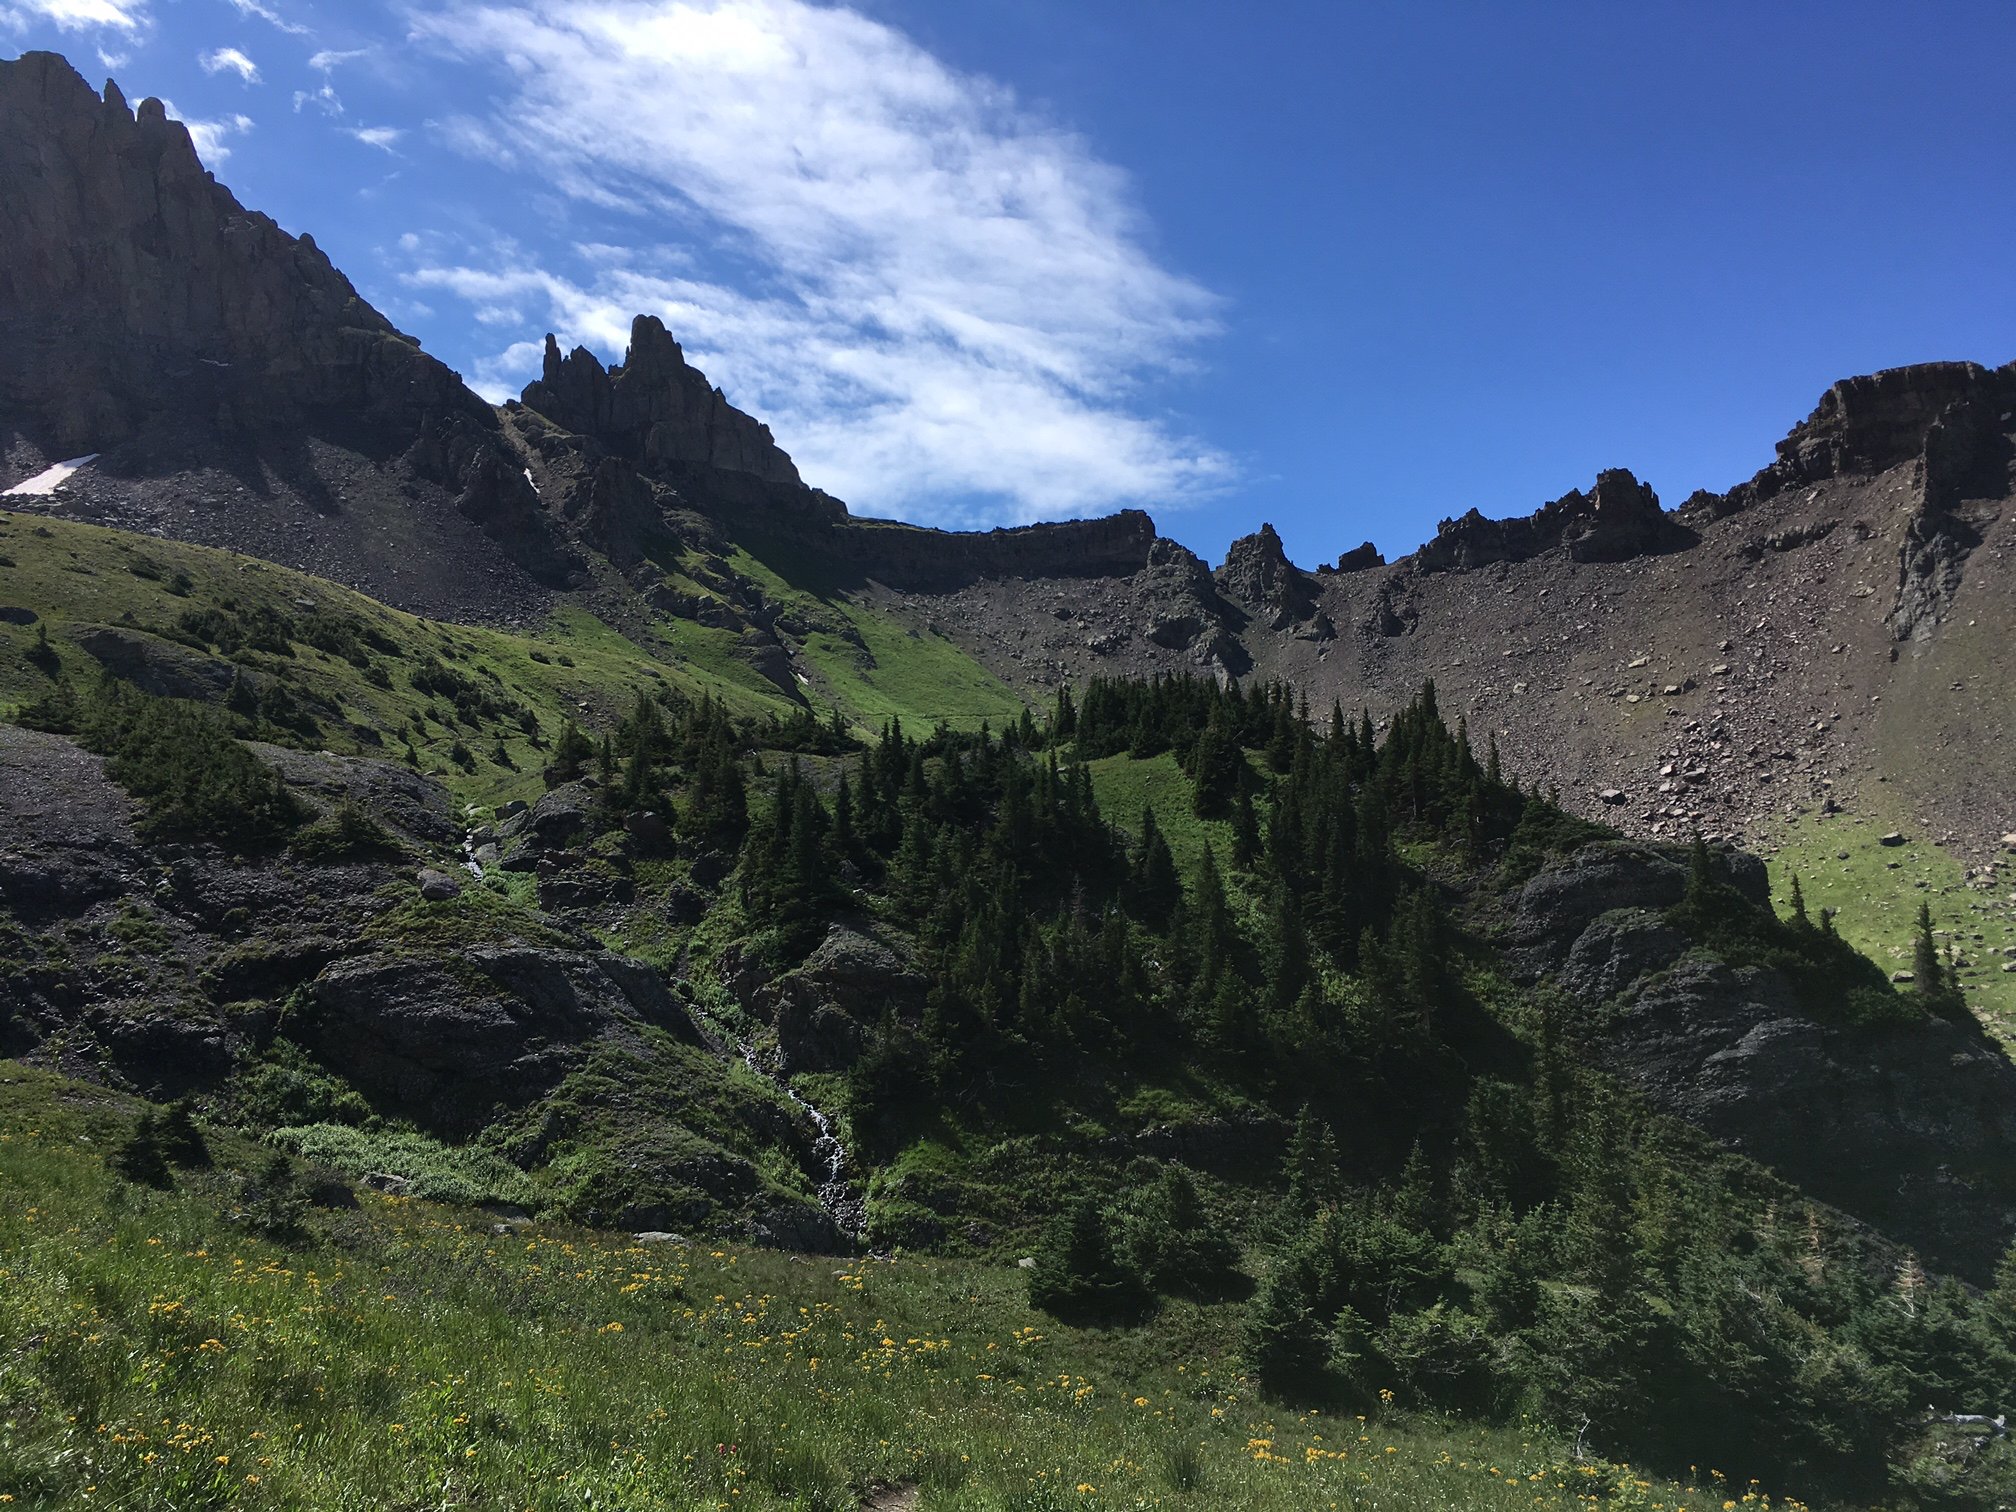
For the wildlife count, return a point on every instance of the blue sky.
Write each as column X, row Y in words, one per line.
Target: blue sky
column 1349, row 268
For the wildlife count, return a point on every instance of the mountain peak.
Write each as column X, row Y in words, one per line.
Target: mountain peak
column 136, row 290
column 655, row 408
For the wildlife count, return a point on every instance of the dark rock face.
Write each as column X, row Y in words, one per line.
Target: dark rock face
column 1258, row 577
column 1912, row 1128
column 823, row 1010
column 655, row 408
column 1560, row 904
column 191, row 344
column 1360, row 559
column 1869, row 423
column 1617, row 520
column 913, row 557
column 156, row 666
column 132, row 283
column 1950, row 417
column 450, row 1047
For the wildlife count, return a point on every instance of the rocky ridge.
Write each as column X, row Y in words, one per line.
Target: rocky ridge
column 1780, row 649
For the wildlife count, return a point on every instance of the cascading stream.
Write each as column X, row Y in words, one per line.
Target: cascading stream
column 839, row 1196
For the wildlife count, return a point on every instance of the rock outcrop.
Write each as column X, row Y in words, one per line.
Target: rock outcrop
column 1259, row 578
column 913, row 557
column 655, row 409
column 1618, row 519
column 451, row 1044
column 1908, row 1126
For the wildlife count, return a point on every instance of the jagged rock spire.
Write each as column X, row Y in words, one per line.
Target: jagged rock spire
column 654, row 408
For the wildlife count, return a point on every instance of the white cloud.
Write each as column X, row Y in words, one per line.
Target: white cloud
column 952, row 299
column 324, row 99
column 210, row 136
column 329, row 58
column 231, row 59
column 80, row 15
column 269, row 15
column 384, row 138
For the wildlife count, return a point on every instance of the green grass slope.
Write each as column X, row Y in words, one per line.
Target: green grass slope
column 1877, row 889
column 873, row 667
column 73, row 576
column 404, row 1355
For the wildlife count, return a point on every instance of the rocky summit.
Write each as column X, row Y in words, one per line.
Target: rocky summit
column 1553, row 987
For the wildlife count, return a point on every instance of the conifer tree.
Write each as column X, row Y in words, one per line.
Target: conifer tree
column 1156, row 886
column 180, row 1140
column 140, row 1158
column 1927, row 971
column 1798, row 906
column 571, row 755
column 1314, row 1167
column 1077, row 1274
column 1217, row 767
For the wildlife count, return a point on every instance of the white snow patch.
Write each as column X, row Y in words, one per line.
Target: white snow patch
column 533, row 481
column 46, row 482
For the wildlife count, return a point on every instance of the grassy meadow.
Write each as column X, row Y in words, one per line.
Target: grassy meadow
column 401, row 1355
column 1877, row 890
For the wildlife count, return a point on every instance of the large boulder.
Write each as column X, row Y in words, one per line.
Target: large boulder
column 447, row 1043
column 1557, row 905
column 1911, row 1128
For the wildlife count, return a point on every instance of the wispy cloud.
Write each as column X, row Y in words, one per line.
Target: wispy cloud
column 210, row 137
column 230, row 59
column 80, row 15
column 324, row 97
column 953, row 309
column 266, row 13
column 384, row 138
column 330, row 57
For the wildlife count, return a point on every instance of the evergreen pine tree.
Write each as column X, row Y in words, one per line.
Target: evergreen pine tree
column 181, row 1141
column 1217, row 769
column 571, row 755
column 1170, row 1242
column 1927, row 971
column 1245, row 833
column 140, row 1159
column 1285, row 1344
column 276, row 1206
column 1156, row 885
column 1077, row 1275
column 1798, row 906
column 1315, row 1168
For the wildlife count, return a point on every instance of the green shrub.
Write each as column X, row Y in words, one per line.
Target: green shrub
column 345, row 833
column 181, row 761
column 288, row 1088
column 441, row 1173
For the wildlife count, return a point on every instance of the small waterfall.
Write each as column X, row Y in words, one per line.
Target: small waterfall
column 838, row 1194
column 469, row 862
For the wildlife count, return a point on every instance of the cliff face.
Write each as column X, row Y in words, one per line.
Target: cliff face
column 133, row 285
column 909, row 556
